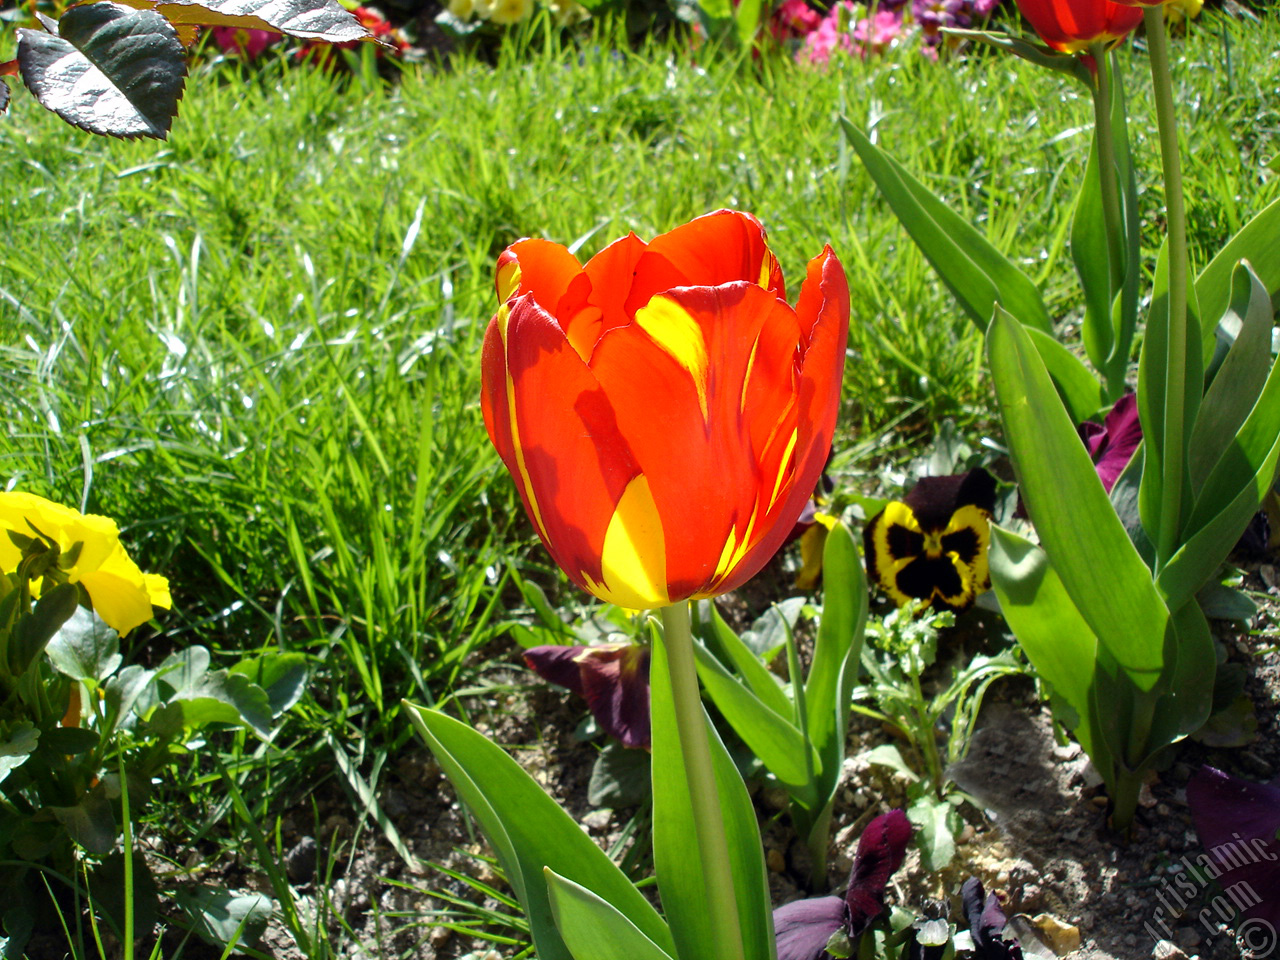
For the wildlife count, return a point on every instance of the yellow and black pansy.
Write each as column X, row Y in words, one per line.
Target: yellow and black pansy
column 931, row 547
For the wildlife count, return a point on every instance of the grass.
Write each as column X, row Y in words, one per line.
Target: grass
column 257, row 344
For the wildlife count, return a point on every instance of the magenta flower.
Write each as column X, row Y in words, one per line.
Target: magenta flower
column 248, row 44
column 1112, row 443
column 876, row 34
column 612, row 677
column 986, row 924
column 793, row 19
column 1237, row 822
column 804, row 928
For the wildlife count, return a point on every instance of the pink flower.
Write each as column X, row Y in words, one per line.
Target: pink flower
column 793, row 19
column 247, row 44
column 876, row 34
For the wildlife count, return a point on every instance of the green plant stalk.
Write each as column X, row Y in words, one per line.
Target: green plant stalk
column 1129, row 770
column 928, row 743
column 1173, row 454
column 815, row 840
column 695, row 747
column 1107, row 165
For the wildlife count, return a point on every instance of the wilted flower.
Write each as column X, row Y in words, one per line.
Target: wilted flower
column 664, row 413
column 612, row 677
column 931, row 547
column 804, row 928
column 84, row 549
column 1112, row 443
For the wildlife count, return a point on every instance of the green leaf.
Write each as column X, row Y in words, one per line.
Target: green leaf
column 1240, row 378
column 1259, row 243
column 33, row 631
column 768, row 633
column 1079, row 389
column 833, row 672
column 91, row 822
column 283, row 676
column 592, row 928
column 888, row 755
column 680, row 877
column 529, row 832
column 109, row 69
column 748, row 18
column 16, row 746
column 108, row 888
column 1089, row 253
column 1186, row 706
column 221, row 917
column 935, row 822
column 762, row 681
column 1101, row 570
column 1041, row 56
column 620, row 777
column 85, row 648
column 772, row 738
column 1055, row 637
column 975, row 272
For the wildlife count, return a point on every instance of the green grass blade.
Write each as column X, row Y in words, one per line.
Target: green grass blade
column 592, row 928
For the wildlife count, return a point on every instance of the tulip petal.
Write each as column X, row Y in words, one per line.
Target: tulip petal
column 538, row 267
column 611, row 272
column 822, row 314
column 703, row 384
column 556, row 432
column 633, row 560
column 711, row 250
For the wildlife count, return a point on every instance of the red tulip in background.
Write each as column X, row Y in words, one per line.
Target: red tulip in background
column 1074, row 25
column 663, row 411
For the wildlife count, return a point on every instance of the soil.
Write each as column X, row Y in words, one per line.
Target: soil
column 1037, row 835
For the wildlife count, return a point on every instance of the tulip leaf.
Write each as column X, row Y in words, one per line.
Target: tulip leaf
column 1258, row 242
column 1240, row 378
column 772, row 738
column 529, row 832
column 1186, row 706
column 1090, row 254
column 743, row 659
column 1038, row 54
column 828, row 690
column 1057, row 640
column 1081, row 392
column 592, row 928
column 681, row 880
column 109, row 70
column 1085, row 540
column 975, row 272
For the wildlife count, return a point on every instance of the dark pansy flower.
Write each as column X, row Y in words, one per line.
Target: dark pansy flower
column 1237, row 822
column 932, row 546
column 804, row 928
column 929, row 935
column 986, row 924
column 612, row 677
column 1111, row 443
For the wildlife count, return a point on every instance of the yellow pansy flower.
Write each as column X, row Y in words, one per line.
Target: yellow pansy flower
column 121, row 594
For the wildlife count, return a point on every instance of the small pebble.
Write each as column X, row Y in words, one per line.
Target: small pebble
column 597, row 820
column 775, row 860
column 300, row 862
column 1167, row 950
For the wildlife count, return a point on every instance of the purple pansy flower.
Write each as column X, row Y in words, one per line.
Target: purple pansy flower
column 612, row 677
column 986, row 924
column 1237, row 822
column 803, row 928
column 1112, row 443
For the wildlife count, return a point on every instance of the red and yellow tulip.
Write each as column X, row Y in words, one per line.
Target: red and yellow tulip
column 1072, row 26
column 663, row 411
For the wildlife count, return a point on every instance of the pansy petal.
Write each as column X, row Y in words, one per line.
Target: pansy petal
column 1237, row 822
column 121, row 602
column 558, row 665
column 881, row 849
column 558, row 437
column 934, row 500
column 616, row 687
column 802, row 928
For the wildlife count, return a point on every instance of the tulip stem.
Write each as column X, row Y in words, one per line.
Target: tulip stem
column 1107, row 165
column 695, row 747
column 1173, row 454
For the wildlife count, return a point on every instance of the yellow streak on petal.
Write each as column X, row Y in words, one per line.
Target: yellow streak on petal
column 746, row 377
column 675, row 331
column 633, row 562
column 767, row 263
column 735, row 549
column 782, row 467
column 508, row 280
